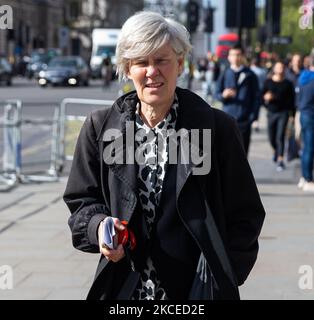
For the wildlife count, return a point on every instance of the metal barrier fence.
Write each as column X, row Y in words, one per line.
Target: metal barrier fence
column 11, row 173
column 50, row 175
column 11, row 160
column 64, row 118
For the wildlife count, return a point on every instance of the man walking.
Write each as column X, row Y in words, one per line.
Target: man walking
column 237, row 89
column 306, row 106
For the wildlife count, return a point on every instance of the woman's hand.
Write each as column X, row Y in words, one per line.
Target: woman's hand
column 268, row 96
column 114, row 255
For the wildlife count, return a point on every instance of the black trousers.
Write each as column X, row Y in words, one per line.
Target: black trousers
column 277, row 124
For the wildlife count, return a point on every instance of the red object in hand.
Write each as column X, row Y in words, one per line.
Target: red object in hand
column 126, row 235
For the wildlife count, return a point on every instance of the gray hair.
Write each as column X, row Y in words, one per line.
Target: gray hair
column 144, row 33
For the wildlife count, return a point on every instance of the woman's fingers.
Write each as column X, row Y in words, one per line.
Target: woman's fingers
column 114, row 255
column 118, row 224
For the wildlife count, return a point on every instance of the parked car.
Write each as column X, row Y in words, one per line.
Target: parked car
column 6, row 71
column 65, row 70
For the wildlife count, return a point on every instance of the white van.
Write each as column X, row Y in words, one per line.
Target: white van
column 104, row 43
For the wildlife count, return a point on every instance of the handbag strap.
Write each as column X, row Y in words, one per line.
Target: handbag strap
column 132, row 279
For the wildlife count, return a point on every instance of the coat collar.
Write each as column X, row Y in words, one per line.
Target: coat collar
column 193, row 113
column 122, row 111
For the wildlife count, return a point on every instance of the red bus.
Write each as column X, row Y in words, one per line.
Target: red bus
column 225, row 42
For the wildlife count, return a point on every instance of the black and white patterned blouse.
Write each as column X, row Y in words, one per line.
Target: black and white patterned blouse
column 154, row 150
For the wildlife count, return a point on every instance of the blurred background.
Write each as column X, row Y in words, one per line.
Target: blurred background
column 57, row 64
column 43, row 28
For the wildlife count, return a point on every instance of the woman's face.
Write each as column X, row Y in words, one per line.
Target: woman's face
column 155, row 76
column 279, row 68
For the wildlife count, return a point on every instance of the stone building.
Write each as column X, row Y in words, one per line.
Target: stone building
column 65, row 24
column 35, row 25
column 85, row 15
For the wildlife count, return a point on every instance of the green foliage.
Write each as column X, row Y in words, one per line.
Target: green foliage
column 302, row 40
column 72, row 131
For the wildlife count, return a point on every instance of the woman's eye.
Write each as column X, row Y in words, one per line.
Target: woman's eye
column 140, row 63
column 162, row 61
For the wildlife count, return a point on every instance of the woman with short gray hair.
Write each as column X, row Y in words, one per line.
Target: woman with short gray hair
column 144, row 33
column 175, row 213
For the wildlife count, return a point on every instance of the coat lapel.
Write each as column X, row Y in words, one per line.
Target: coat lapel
column 122, row 175
column 190, row 116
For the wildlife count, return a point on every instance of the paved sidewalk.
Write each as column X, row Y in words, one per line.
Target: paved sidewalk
column 36, row 242
column 287, row 238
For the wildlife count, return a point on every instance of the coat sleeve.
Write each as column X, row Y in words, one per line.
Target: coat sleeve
column 243, row 210
column 220, row 88
column 83, row 194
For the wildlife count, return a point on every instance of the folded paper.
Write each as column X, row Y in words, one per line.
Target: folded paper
column 109, row 232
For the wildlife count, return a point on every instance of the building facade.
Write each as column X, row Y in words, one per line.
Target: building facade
column 64, row 24
column 83, row 16
column 35, row 25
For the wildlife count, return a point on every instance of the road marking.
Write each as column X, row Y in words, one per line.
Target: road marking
column 17, row 201
column 27, row 215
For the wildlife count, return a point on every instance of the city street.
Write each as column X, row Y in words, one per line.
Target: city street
column 33, row 95
column 35, row 240
column 57, row 62
column 39, row 104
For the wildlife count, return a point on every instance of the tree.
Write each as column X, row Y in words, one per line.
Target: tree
column 302, row 40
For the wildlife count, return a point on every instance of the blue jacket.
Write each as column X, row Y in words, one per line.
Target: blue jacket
column 244, row 106
column 306, row 96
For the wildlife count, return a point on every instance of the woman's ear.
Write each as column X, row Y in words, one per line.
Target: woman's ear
column 180, row 65
column 127, row 72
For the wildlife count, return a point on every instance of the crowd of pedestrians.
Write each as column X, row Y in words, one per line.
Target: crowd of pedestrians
column 284, row 87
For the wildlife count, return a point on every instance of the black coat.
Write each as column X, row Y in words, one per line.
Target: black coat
column 221, row 210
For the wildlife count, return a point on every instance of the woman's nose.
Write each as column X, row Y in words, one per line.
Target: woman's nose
column 151, row 71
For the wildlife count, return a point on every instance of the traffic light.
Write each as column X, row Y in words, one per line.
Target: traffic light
column 273, row 13
column 240, row 14
column 209, row 20
column 192, row 11
column 10, row 34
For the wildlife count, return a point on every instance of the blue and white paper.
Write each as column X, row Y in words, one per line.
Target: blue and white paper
column 109, row 232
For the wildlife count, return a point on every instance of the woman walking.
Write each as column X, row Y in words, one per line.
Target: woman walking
column 279, row 98
column 195, row 224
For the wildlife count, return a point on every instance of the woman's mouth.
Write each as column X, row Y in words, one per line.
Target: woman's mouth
column 154, row 85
